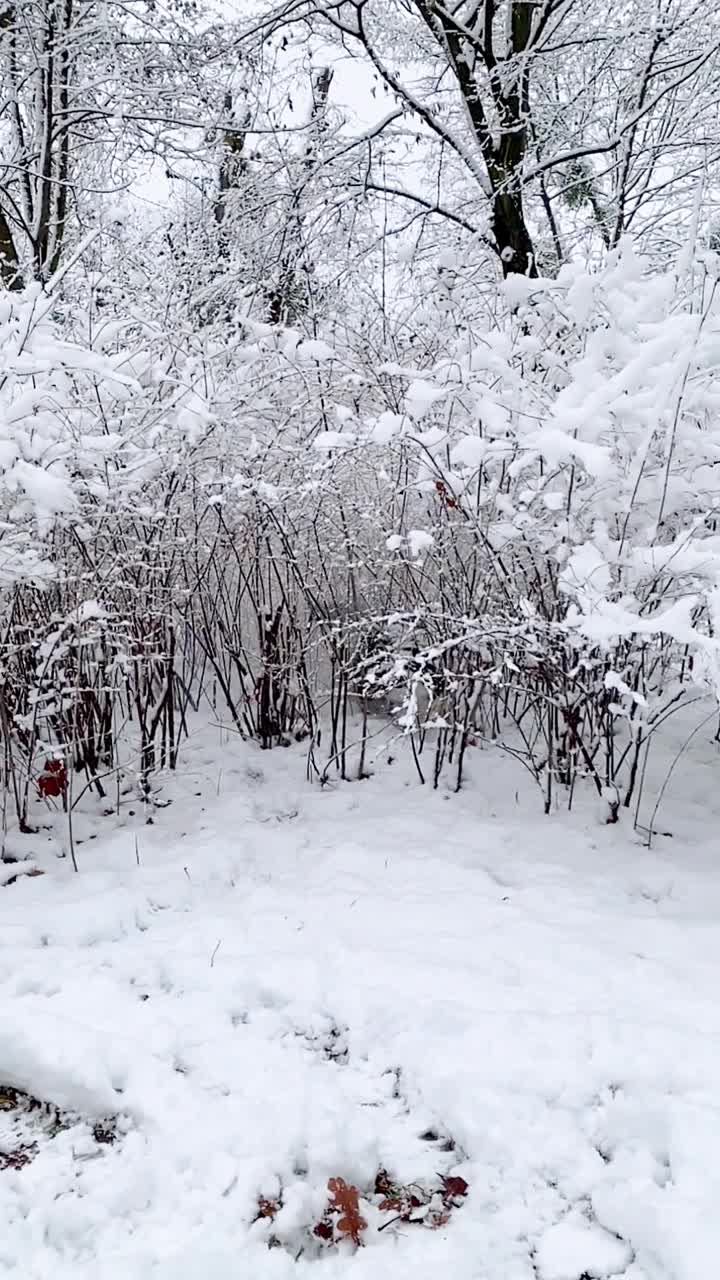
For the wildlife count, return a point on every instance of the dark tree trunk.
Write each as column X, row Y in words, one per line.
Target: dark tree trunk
column 512, row 237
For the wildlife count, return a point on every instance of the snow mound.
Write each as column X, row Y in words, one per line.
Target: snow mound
column 575, row 1249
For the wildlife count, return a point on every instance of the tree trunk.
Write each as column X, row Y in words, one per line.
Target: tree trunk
column 512, row 237
column 10, row 273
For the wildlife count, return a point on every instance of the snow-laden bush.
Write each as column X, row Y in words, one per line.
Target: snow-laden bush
column 522, row 536
column 49, row 444
column 87, row 432
column 515, row 542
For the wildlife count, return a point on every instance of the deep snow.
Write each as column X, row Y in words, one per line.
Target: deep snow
column 298, row 984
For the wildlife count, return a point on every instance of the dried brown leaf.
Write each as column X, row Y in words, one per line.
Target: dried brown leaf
column 345, row 1201
column 267, row 1208
column 454, row 1188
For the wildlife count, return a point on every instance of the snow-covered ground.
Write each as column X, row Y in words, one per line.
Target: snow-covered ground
column 296, row 985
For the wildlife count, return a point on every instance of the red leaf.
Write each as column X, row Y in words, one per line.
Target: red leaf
column 345, row 1200
column 454, row 1188
column 392, row 1204
column 53, row 779
column 267, row 1208
column 323, row 1229
column 446, row 497
column 403, row 1203
column 384, row 1186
